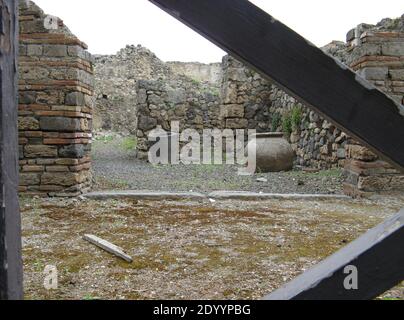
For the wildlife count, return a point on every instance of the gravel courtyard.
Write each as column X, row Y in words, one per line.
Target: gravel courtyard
column 116, row 167
column 187, row 250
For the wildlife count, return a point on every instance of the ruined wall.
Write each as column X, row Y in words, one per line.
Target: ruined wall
column 55, row 106
column 245, row 98
column 160, row 102
column 251, row 102
column 376, row 52
column 378, row 56
column 201, row 72
column 116, row 78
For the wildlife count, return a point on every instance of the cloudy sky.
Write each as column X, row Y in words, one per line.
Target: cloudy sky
column 106, row 26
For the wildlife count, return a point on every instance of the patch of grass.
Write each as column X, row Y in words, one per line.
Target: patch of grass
column 129, row 143
column 38, row 266
column 292, row 120
column 89, row 297
column 276, row 121
column 296, row 118
column 105, row 139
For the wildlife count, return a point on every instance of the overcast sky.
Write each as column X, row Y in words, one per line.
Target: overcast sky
column 106, row 26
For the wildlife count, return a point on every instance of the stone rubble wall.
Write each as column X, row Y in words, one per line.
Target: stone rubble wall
column 160, row 102
column 201, row 72
column 377, row 54
column 251, row 102
column 245, row 98
column 55, row 107
column 116, row 78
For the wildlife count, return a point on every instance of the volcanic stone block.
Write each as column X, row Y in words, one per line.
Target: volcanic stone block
column 146, row 123
column 236, row 123
column 66, row 179
column 60, row 124
column 29, row 179
column 40, row 151
column 358, row 152
column 72, row 151
column 75, row 99
column 34, row 50
column 397, row 74
column 393, row 49
column 232, row 111
column 28, row 123
column 374, row 183
column 55, row 50
column 380, row 73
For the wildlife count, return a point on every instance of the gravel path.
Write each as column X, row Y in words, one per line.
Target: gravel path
column 116, row 167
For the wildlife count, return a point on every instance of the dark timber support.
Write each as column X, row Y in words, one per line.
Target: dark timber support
column 10, row 233
column 300, row 68
column 339, row 95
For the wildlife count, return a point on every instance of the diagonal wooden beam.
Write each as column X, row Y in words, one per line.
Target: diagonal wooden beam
column 378, row 257
column 10, row 229
column 299, row 68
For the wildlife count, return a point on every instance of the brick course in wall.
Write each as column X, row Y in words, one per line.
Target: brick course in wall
column 55, row 107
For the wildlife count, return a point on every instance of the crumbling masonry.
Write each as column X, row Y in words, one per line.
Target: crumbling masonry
column 55, row 107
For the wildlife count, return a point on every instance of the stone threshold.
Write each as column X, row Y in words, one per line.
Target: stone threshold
column 217, row 195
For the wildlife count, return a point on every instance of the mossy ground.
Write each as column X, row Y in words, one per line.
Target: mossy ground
column 181, row 250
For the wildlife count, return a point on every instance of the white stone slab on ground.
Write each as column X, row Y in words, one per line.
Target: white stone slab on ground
column 107, row 246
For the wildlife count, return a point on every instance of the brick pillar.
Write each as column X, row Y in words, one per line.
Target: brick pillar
column 55, row 107
column 379, row 58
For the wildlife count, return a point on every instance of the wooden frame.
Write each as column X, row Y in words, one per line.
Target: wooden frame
column 338, row 94
column 292, row 63
column 10, row 228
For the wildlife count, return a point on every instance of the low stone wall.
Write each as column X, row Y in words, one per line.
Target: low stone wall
column 161, row 102
column 55, row 107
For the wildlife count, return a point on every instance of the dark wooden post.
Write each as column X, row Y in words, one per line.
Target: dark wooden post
column 10, row 226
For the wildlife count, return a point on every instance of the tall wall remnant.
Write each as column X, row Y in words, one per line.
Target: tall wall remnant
column 55, row 106
column 378, row 56
column 116, row 78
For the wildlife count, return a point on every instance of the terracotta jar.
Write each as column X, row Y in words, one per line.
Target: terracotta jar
column 273, row 152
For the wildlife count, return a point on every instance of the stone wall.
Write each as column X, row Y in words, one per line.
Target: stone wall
column 245, row 98
column 378, row 56
column 201, row 72
column 251, row 102
column 55, row 106
column 375, row 53
column 116, row 78
column 160, row 102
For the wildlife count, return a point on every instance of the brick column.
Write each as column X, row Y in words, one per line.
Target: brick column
column 379, row 58
column 55, row 107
